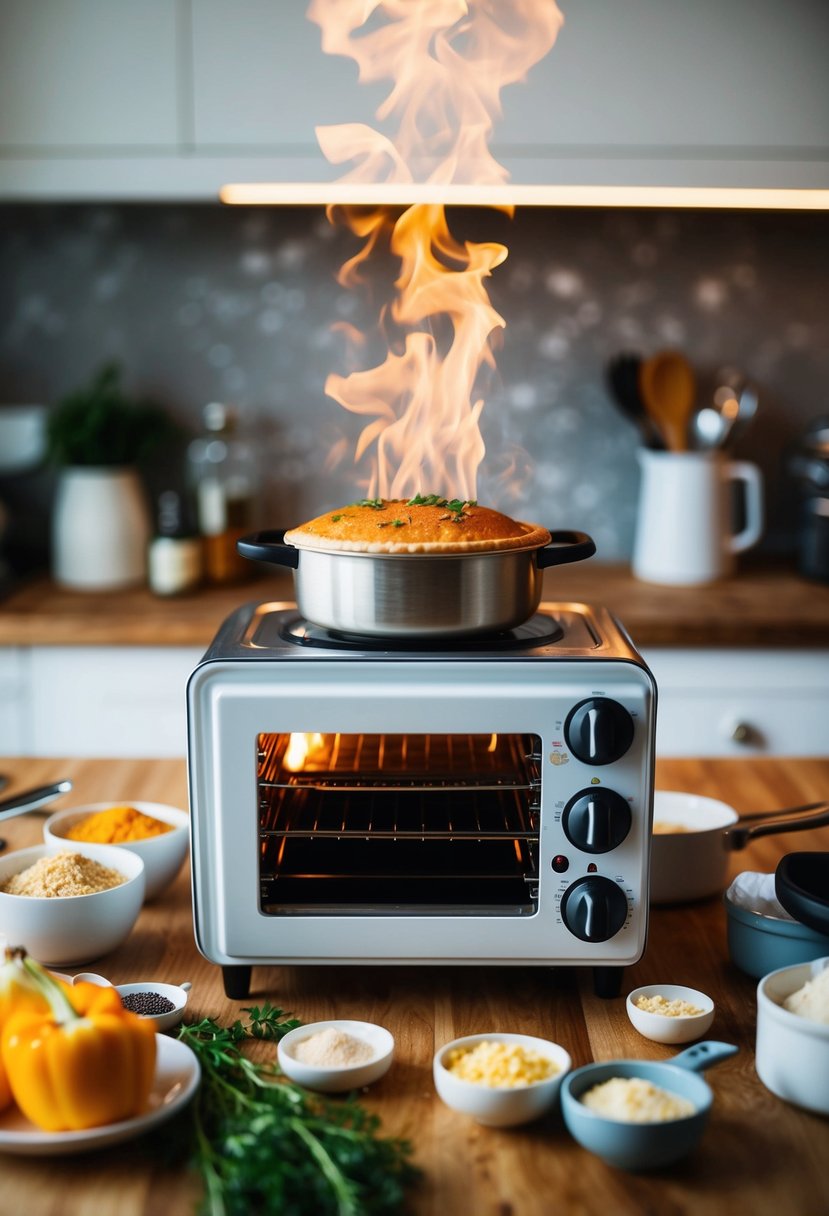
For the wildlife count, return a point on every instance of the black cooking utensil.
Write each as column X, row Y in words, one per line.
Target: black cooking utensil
column 801, row 884
column 29, row 799
column 623, row 382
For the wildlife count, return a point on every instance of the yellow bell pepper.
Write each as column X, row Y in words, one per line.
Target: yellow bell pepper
column 18, row 991
column 83, row 1063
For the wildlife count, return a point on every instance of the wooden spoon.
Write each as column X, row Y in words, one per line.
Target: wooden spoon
column 666, row 382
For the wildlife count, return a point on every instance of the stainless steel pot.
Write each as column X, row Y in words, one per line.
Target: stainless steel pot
column 429, row 595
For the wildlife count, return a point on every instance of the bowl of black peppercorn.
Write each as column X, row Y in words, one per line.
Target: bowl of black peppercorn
column 162, row 1004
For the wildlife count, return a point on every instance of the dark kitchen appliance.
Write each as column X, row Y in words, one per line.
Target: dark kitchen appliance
column 482, row 801
column 808, row 463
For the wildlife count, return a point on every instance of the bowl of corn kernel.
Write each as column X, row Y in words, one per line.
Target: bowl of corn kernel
column 159, row 834
column 500, row 1079
column 670, row 1013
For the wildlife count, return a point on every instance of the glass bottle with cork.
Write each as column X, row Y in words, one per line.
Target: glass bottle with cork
column 225, row 472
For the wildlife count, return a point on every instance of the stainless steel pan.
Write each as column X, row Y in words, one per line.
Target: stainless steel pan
column 425, row 595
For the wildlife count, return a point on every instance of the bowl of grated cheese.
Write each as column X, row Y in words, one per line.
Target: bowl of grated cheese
column 335, row 1056
column 642, row 1114
column 670, row 1013
column 500, row 1079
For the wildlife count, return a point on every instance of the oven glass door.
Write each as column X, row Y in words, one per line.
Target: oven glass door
column 385, row 824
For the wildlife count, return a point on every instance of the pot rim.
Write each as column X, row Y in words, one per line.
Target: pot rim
column 383, row 554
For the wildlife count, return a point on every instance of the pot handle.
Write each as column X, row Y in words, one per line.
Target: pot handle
column 269, row 546
column 738, row 837
column 566, row 547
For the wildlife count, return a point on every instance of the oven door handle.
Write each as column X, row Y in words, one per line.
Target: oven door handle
column 564, row 547
column 269, row 546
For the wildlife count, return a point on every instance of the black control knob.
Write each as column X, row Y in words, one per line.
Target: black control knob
column 594, row 908
column 598, row 731
column 596, row 820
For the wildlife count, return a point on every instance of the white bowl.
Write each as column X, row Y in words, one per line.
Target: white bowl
column 173, row 992
column 163, row 855
column 176, row 993
column 663, row 1028
column 792, row 1052
column 500, row 1106
column 329, row 1079
column 692, row 864
column 73, row 929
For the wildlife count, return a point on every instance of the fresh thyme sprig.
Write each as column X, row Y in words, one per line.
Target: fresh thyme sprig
column 263, row 1144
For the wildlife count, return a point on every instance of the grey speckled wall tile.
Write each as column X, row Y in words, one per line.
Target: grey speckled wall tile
column 202, row 302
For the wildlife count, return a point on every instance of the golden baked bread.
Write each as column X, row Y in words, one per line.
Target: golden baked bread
column 426, row 523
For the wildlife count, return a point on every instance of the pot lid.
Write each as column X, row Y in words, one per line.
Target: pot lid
column 801, row 883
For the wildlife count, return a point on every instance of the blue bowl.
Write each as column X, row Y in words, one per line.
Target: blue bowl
column 758, row 943
column 643, row 1146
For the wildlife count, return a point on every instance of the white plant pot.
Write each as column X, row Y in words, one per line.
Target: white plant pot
column 100, row 529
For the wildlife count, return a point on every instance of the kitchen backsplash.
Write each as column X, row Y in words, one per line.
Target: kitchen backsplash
column 202, row 303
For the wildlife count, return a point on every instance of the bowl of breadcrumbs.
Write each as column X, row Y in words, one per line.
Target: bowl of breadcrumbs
column 68, row 904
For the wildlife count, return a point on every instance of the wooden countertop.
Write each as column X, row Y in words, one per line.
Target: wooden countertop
column 763, row 605
column 758, row 1154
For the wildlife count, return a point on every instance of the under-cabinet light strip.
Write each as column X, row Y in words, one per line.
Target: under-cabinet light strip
column 402, row 194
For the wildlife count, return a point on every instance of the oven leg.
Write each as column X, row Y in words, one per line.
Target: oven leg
column 236, row 979
column 607, row 981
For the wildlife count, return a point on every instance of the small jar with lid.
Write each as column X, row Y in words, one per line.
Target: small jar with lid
column 175, row 562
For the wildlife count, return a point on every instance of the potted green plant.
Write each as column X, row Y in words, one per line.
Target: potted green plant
column 99, row 436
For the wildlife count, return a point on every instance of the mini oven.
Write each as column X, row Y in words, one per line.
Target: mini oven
column 356, row 801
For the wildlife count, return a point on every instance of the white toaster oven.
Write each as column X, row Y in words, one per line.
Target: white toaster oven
column 355, row 801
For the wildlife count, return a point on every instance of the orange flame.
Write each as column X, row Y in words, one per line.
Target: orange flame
column 300, row 747
column 448, row 61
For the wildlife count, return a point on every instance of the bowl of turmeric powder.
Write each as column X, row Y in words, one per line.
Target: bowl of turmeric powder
column 159, row 834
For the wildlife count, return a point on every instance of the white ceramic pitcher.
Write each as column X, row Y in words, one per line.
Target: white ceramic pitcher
column 684, row 532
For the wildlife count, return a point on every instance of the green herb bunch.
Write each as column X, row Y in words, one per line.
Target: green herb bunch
column 267, row 1146
column 99, row 425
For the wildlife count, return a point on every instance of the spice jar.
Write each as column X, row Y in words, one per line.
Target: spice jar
column 174, row 559
column 225, row 472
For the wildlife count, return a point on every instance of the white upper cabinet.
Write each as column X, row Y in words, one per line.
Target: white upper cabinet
column 733, row 91
column 261, row 80
column 88, row 75
column 173, row 98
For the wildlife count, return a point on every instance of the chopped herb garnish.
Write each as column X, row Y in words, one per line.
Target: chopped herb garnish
column 426, row 500
column 455, row 505
column 375, row 504
column 398, row 523
column 335, row 519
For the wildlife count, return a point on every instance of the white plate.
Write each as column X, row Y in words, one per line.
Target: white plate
column 177, row 1074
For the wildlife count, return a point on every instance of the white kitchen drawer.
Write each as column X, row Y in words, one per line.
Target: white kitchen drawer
column 130, row 701
column 741, row 702
column 110, row 700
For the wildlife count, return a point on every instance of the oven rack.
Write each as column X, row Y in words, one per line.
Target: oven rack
column 450, row 763
column 399, row 815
